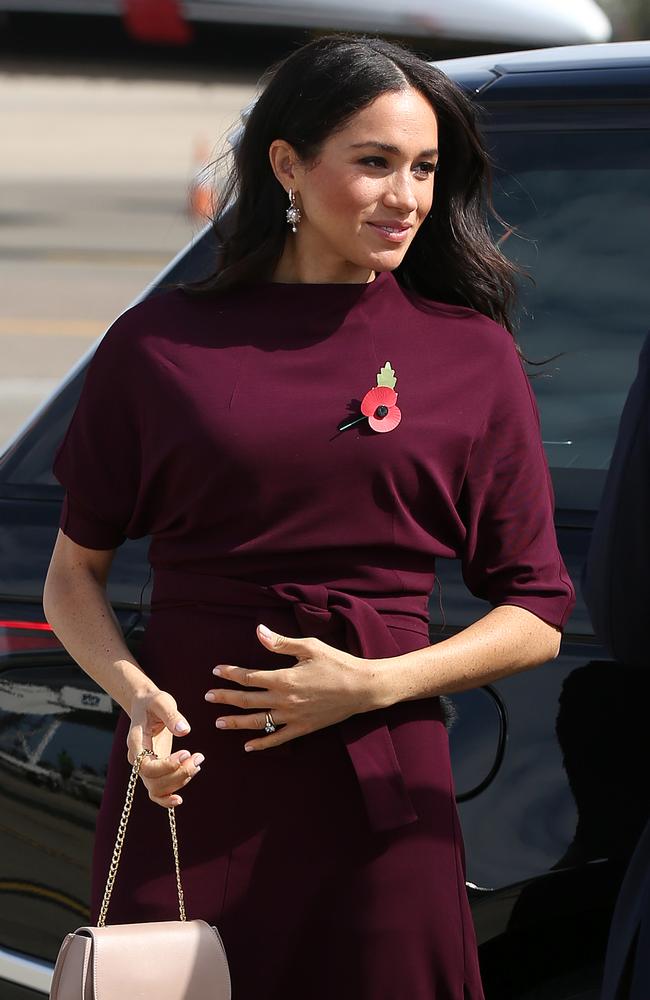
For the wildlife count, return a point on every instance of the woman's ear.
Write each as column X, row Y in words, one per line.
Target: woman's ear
column 283, row 159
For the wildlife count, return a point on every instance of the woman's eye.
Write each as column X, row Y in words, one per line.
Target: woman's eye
column 373, row 161
column 426, row 167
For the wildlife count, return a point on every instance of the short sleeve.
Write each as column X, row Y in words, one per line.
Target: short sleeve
column 510, row 553
column 99, row 460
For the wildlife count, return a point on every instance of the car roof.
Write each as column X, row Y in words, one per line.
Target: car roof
column 600, row 55
column 478, row 72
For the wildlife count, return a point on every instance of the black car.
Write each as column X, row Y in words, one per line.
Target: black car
column 549, row 763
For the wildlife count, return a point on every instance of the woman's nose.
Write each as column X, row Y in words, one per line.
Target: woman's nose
column 400, row 194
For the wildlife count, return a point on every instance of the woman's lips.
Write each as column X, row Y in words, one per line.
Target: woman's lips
column 393, row 233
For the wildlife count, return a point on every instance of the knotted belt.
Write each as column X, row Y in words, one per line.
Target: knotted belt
column 326, row 614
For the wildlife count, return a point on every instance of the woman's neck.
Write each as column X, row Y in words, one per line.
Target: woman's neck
column 301, row 268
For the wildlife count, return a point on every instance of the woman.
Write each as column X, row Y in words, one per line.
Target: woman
column 301, row 435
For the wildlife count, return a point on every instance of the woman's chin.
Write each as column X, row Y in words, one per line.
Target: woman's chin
column 386, row 260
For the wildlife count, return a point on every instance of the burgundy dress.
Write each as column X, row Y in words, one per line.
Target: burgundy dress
column 332, row 865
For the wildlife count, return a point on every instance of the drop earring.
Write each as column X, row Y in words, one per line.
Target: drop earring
column 293, row 212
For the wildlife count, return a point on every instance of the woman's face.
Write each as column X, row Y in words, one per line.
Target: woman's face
column 365, row 195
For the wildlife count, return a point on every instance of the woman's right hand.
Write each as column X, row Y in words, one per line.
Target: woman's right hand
column 154, row 717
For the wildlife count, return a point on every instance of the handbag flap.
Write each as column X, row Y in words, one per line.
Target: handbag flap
column 168, row 959
column 70, row 975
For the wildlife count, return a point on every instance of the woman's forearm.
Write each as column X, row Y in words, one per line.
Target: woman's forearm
column 507, row 640
column 81, row 616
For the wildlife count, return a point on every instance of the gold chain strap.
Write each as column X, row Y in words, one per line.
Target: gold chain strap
column 120, row 840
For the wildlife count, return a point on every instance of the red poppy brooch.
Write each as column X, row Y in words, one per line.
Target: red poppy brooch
column 379, row 405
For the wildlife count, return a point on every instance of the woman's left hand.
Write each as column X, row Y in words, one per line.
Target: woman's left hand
column 325, row 686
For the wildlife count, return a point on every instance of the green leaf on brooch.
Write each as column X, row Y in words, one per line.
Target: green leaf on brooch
column 387, row 376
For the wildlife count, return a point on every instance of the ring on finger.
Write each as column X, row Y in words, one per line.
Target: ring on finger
column 269, row 725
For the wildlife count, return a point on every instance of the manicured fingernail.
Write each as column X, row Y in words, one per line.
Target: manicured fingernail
column 182, row 727
column 216, row 671
column 198, row 759
column 247, row 747
column 265, row 631
column 184, row 755
column 209, row 696
column 221, row 723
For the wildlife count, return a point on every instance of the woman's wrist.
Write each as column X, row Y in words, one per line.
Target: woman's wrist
column 380, row 682
column 133, row 684
column 405, row 677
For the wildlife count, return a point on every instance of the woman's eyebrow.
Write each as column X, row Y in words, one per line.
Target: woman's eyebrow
column 387, row 148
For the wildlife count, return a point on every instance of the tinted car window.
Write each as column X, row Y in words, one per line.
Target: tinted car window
column 578, row 204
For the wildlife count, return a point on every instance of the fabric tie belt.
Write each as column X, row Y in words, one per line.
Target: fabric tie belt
column 323, row 612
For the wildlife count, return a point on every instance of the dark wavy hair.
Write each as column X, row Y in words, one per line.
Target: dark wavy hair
column 312, row 94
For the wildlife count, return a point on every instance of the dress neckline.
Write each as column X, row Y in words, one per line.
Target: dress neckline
column 353, row 289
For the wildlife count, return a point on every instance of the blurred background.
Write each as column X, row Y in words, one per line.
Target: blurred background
column 111, row 109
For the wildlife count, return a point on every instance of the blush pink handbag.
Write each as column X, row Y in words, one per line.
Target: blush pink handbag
column 167, row 959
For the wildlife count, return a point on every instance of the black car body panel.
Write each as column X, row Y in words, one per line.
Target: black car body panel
column 549, row 764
